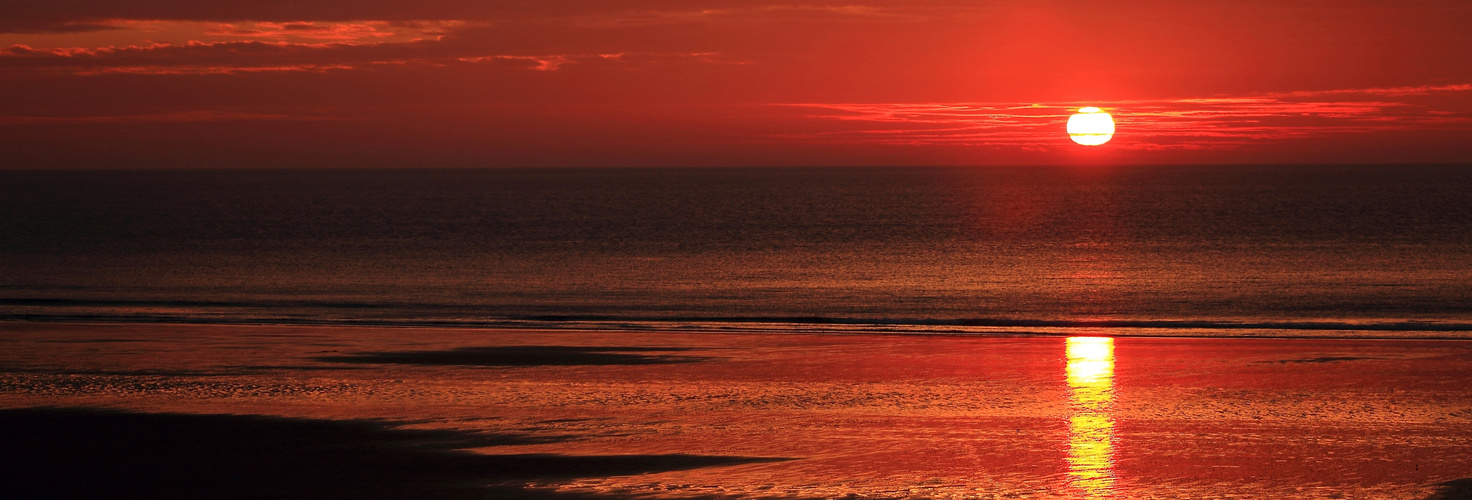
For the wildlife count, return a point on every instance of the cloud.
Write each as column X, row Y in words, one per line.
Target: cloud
column 249, row 56
column 814, row 51
column 65, row 16
column 344, row 32
column 907, row 77
column 168, row 57
column 1160, row 124
column 1391, row 91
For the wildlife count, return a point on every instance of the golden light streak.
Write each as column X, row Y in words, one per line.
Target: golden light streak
column 1091, row 428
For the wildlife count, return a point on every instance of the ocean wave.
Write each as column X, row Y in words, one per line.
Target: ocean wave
column 306, row 312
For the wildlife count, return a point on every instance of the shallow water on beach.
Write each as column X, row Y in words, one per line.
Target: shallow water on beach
column 579, row 415
column 1339, row 251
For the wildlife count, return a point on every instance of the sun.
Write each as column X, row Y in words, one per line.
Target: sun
column 1091, row 126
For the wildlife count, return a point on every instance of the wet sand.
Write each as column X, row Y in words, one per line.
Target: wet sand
column 183, row 411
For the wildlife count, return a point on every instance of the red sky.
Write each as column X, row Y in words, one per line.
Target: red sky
column 464, row 83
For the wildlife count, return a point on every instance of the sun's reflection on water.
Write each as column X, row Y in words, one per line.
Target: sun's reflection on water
column 1091, row 428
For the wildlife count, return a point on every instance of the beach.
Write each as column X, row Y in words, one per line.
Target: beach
column 327, row 412
column 735, row 250
column 1041, row 332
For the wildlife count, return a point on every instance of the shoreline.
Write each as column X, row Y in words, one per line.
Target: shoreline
column 776, row 328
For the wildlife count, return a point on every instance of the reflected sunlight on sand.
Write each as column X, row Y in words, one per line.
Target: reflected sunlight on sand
column 1091, row 427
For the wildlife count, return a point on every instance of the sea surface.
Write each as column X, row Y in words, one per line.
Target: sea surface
column 1352, row 251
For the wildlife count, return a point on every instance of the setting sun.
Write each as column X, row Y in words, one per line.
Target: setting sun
column 761, row 249
column 1091, row 126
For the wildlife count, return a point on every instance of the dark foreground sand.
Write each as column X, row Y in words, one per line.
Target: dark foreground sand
column 179, row 411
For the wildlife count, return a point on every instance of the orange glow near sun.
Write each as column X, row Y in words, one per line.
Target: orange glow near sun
column 1091, row 126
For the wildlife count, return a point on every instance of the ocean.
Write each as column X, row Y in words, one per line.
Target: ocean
column 1274, row 251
